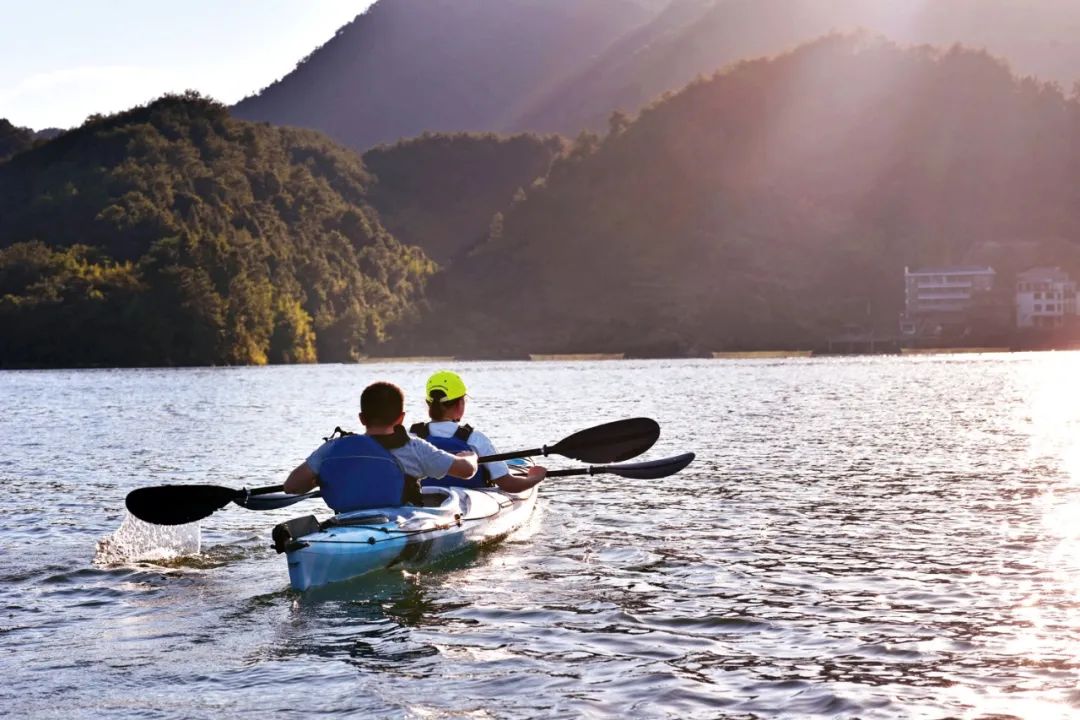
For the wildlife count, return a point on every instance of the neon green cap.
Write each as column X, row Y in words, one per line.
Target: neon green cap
column 449, row 382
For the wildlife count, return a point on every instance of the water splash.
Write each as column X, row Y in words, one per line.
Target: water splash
column 136, row 540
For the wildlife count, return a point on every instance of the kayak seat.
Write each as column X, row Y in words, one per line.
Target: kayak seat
column 434, row 496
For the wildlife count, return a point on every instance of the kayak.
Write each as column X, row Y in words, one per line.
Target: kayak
column 351, row 544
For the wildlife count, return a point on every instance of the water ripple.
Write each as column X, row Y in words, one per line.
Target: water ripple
column 865, row 537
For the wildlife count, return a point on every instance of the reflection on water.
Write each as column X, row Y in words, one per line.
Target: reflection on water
column 365, row 622
column 870, row 537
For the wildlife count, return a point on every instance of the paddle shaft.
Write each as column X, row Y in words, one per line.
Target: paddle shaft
column 650, row 470
column 571, row 472
column 264, row 490
column 513, row 455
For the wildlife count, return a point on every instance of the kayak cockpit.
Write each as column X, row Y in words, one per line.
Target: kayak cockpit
column 437, row 502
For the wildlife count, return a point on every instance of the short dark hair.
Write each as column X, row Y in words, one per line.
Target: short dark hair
column 381, row 403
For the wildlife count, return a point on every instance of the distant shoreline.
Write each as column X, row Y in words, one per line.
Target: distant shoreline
column 955, row 351
column 578, row 357
column 762, row 354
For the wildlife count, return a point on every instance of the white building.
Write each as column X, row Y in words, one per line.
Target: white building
column 937, row 299
column 1045, row 298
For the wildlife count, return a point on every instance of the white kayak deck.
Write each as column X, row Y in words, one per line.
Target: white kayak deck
column 452, row 519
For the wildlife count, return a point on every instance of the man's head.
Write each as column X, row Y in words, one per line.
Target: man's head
column 446, row 396
column 382, row 404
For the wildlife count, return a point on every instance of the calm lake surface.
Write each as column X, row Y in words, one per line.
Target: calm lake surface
column 866, row 537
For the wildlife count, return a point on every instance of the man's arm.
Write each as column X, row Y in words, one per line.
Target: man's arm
column 464, row 466
column 301, row 480
column 436, row 463
column 516, row 483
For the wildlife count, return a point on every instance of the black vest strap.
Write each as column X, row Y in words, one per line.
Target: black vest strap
column 423, row 431
column 338, row 433
column 398, row 439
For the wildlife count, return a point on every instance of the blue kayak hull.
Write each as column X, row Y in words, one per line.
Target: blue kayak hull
column 406, row 537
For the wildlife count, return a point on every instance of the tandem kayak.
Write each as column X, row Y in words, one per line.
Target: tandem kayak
column 352, row 544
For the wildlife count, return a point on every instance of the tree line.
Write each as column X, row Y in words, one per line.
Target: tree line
column 174, row 234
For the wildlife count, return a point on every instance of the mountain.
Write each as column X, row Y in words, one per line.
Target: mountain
column 440, row 191
column 771, row 204
column 173, row 234
column 409, row 66
column 695, row 37
column 48, row 133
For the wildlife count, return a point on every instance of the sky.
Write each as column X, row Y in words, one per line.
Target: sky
column 62, row 60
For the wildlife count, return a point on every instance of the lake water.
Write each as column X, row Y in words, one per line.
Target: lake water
column 868, row 537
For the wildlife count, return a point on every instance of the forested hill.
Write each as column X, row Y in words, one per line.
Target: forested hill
column 441, row 191
column 769, row 205
column 13, row 139
column 409, row 66
column 174, row 234
column 694, row 37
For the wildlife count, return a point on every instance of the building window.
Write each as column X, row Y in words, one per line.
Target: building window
column 1038, row 308
column 1038, row 296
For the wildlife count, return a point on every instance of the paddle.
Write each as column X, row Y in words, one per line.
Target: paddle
column 180, row 504
column 607, row 443
column 650, row 470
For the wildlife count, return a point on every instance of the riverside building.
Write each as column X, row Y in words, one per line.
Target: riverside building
column 1045, row 298
column 949, row 302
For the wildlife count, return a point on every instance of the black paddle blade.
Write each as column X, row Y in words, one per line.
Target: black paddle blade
column 610, row 442
column 178, row 504
column 652, row 469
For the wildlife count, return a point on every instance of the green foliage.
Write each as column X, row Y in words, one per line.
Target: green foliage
column 74, row 302
column 187, row 237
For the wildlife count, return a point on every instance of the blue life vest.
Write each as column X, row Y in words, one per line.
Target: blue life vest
column 458, row 442
column 359, row 472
